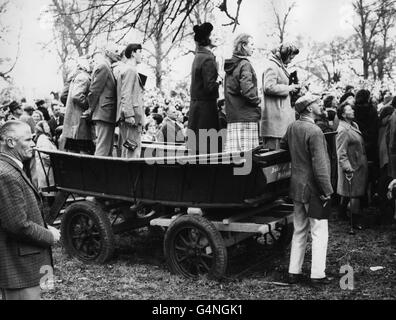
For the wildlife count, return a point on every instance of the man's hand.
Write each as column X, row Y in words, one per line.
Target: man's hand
column 130, row 120
column 87, row 114
column 55, row 233
column 390, row 189
column 349, row 171
column 325, row 200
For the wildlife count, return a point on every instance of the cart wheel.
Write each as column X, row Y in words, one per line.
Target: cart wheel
column 193, row 247
column 87, row 233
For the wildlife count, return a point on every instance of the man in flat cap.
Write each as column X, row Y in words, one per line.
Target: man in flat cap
column 130, row 113
column 15, row 111
column 102, row 100
column 310, row 189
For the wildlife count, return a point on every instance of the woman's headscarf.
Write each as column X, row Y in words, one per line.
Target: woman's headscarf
column 84, row 64
column 41, row 129
column 284, row 51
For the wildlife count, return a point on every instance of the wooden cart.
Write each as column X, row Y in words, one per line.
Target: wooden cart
column 204, row 202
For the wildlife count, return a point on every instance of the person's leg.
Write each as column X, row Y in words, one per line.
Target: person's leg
column 272, row 143
column 105, row 139
column 320, row 236
column 357, row 213
column 342, row 209
column 300, row 235
column 135, row 134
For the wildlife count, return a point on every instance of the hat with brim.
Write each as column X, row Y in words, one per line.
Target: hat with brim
column 305, row 101
column 28, row 108
column 14, row 106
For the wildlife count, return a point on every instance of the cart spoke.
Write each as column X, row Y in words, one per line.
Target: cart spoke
column 78, row 244
column 181, row 237
column 203, row 263
column 207, row 256
column 183, row 258
column 179, row 248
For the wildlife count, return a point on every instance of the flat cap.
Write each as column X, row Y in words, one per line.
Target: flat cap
column 306, row 100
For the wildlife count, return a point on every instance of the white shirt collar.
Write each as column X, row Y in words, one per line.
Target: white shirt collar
column 18, row 162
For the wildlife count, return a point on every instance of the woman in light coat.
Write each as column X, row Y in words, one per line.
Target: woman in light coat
column 76, row 105
column 352, row 162
column 278, row 113
column 44, row 173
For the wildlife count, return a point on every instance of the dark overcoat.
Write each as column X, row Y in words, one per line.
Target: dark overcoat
column 204, row 93
column 310, row 177
column 24, row 239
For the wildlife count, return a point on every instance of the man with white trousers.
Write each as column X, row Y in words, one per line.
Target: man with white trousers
column 310, row 189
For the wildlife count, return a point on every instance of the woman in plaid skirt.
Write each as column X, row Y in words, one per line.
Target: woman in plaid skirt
column 241, row 98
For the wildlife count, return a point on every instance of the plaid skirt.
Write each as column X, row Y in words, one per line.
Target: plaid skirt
column 242, row 136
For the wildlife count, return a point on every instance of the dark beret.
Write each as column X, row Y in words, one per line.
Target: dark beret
column 203, row 31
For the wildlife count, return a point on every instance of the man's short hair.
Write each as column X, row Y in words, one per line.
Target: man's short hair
column 328, row 101
column 133, row 47
column 9, row 127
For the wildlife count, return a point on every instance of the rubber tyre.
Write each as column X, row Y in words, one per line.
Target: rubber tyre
column 211, row 237
column 102, row 234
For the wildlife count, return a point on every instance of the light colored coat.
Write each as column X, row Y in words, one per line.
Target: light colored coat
column 43, row 166
column 351, row 155
column 277, row 113
column 129, row 93
column 76, row 104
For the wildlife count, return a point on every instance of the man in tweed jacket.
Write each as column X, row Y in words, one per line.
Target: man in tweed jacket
column 310, row 189
column 25, row 240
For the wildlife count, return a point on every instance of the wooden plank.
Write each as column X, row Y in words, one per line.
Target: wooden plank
column 248, row 214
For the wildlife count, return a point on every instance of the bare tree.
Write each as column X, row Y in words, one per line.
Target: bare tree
column 282, row 19
column 164, row 23
column 162, row 44
column 367, row 31
column 325, row 60
column 387, row 14
column 6, row 66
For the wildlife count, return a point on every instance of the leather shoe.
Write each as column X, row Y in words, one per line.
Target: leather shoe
column 294, row 278
column 321, row 281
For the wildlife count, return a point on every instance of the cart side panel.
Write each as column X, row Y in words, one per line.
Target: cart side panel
column 95, row 175
column 67, row 171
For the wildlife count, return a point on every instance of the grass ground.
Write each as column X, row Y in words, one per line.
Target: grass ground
column 138, row 271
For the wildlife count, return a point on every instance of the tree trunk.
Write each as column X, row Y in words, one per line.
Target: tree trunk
column 366, row 64
column 158, row 61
